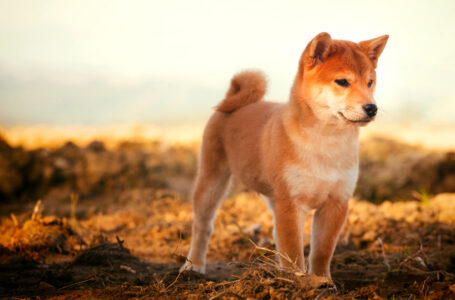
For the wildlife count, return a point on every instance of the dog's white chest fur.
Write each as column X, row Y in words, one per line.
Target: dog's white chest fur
column 328, row 167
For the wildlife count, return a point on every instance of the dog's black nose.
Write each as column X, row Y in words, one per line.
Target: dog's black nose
column 370, row 109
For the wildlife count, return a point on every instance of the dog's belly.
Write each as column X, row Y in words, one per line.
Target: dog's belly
column 312, row 187
column 244, row 159
column 255, row 182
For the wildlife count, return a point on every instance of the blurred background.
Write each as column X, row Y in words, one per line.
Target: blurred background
column 101, row 64
column 99, row 74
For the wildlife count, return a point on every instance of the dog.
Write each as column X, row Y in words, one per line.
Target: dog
column 301, row 155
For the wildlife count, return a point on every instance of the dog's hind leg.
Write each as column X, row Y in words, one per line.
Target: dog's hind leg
column 208, row 194
column 211, row 185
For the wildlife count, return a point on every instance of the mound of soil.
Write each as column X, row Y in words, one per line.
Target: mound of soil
column 39, row 237
column 389, row 170
column 26, row 175
column 95, row 268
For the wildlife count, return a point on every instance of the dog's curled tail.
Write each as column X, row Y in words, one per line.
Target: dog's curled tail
column 246, row 87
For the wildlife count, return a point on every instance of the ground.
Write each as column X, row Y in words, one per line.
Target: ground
column 116, row 223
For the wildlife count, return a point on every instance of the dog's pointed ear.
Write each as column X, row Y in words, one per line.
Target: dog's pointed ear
column 318, row 49
column 373, row 48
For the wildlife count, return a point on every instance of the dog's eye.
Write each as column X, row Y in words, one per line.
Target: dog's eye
column 370, row 83
column 342, row 82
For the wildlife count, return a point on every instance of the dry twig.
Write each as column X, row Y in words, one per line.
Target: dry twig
column 36, row 209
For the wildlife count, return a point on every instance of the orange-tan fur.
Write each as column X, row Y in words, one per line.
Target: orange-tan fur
column 301, row 155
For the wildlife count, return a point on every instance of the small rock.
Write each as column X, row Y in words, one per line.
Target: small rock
column 369, row 236
column 45, row 287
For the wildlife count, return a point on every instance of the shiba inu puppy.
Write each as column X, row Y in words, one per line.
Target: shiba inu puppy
column 301, row 155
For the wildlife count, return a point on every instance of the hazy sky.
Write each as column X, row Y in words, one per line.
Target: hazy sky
column 103, row 62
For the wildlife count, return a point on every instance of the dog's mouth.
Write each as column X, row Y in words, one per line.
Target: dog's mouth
column 358, row 122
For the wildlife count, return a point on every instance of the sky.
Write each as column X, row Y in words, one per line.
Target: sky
column 92, row 63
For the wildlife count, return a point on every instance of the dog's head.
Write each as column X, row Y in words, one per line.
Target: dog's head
column 336, row 79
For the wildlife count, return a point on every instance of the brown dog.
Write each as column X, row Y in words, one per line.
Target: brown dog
column 301, row 155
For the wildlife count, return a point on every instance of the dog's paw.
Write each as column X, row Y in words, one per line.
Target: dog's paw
column 190, row 267
column 329, row 286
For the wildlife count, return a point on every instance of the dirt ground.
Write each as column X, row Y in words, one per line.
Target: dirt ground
column 133, row 248
column 124, row 230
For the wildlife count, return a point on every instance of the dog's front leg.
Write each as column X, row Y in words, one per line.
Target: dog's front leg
column 327, row 223
column 289, row 221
